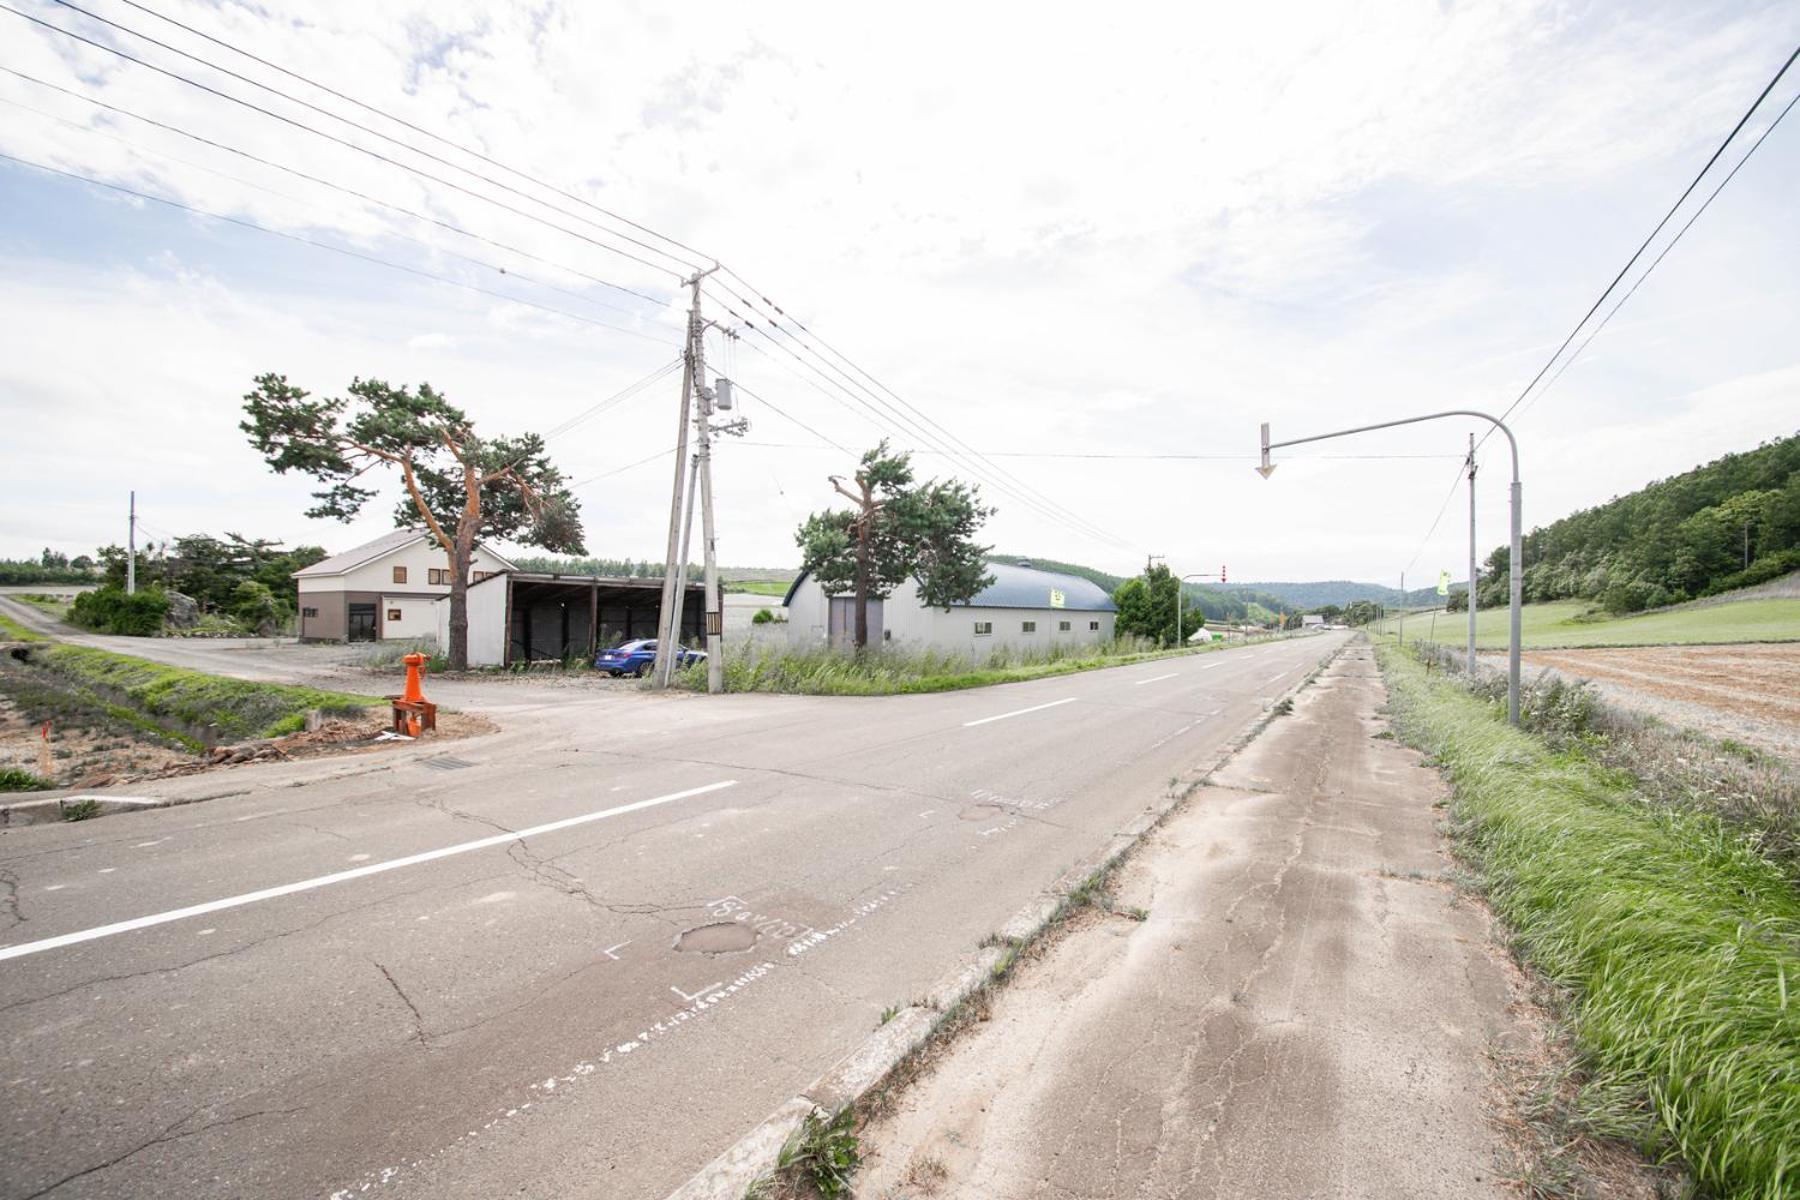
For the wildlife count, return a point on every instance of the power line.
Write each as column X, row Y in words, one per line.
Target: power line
column 375, row 154
column 390, row 139
column 1707, row 203
column 1638, row 253
column 306, row 241
column 612, row 401
column 1122, row 457
column 438, row 138
column 645, row 461
column 348, row 191
column 780, row 412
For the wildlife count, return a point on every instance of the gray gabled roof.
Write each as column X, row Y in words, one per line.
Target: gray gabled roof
column 388, row 543
column 1023, row 587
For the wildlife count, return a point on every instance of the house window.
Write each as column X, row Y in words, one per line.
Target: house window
column 480, row 575
column 437, row 577
column 399, row 574
column 1093, row 626
column 393, row 614
column 983, row 628
column 1028, row 627
column 1062, row 627
column 309, row 612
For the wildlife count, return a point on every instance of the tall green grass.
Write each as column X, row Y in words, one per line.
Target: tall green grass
column 190, row 702
column 821, row 671
column 1677, row 943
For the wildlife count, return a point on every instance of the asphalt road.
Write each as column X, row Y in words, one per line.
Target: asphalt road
column 575, row 958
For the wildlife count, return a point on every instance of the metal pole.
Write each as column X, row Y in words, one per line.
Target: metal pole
column 1471, row 656
column 1403, row 608
column 131, row 549
column 1516, row 567
column 687, row 528
column 714, row 618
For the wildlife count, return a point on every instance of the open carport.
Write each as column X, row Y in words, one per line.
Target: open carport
column 522, row 617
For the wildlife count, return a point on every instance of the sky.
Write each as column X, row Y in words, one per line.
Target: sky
column 1126, row 233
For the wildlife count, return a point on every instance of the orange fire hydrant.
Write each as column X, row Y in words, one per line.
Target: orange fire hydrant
column 413, row 713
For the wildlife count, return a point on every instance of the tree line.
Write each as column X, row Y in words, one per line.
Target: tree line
column 1730, row 523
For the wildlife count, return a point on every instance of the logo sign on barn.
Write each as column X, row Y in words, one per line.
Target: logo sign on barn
column 1057, row 599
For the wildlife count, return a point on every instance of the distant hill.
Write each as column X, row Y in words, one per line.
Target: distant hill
column 1340, row 592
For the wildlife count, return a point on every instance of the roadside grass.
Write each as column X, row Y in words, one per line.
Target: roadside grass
column 1572, row 624
column 759, row 587
column 822, row 671
column 17, row 779
column 1677, row 944
column 12, row 631
column 190, row 706
column 54, row 606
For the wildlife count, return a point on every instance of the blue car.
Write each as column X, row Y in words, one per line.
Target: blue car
column 636, row 658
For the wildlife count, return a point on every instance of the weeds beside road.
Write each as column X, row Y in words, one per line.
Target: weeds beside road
column 1675, row 940
column 823, row 671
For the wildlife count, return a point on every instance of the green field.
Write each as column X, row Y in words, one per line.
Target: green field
column 759, row 587
column 1557, row 625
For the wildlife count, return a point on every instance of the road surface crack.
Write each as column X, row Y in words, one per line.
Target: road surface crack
column 9, row 900
column 167, row 1135
column 419, row 1033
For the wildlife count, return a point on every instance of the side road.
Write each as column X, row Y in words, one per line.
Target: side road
column 1306, row 1010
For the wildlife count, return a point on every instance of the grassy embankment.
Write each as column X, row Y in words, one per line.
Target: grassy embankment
column 1559, row 625
column 12, row 631
column 1676, row 943
column 824, row 672
column 171, row 702
column 759, row 587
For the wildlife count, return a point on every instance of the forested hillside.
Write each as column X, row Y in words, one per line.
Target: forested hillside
column 1728, row 524
column 1317, row 594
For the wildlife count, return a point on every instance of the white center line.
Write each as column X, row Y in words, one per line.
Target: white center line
column 306, row 885
column 1019, row 712
column 1210, row 666
column 1155, row 679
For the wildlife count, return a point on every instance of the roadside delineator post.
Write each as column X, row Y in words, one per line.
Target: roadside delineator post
column 413, row 713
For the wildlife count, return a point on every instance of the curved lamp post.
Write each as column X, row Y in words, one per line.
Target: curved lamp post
column 1179, row 644
column 1516, row 560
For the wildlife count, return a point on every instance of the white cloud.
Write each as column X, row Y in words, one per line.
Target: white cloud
column 1131, row 229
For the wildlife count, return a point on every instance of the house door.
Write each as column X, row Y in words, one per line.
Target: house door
column 361, row 623
column 843, row 622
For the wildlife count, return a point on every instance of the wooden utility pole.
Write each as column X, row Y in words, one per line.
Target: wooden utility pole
column 668, row 629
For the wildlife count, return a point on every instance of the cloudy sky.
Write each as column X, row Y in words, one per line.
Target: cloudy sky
column 1116, row 231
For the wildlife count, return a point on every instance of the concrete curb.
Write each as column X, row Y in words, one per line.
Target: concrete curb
column 753, row 1157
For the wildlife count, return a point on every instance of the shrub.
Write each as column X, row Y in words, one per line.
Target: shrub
column 13, row 779
column 111, row 610
column 763, row 617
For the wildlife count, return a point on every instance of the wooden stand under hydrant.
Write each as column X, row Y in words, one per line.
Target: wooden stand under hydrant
column 413, row 713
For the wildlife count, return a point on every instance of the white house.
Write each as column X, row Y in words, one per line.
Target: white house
column 1024, row 608
column 385, row 589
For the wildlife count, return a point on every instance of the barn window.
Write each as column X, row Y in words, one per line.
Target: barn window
column 983, row 628
column 393, row 614
column 1093, row 625
column 399, row 574
column 1062, row 627
column 437, row 576
column 309, row 612
column 1028, row 627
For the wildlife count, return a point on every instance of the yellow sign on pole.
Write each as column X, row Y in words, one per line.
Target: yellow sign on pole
column 1443, row 583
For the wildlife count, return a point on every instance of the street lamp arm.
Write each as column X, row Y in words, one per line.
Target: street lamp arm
column 1496, row 422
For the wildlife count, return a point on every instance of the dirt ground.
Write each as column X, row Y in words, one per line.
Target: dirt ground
column 1747, row 692
column 1306, row 1009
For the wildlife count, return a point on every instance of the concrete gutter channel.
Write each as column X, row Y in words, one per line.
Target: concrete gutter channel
column 753, row 1157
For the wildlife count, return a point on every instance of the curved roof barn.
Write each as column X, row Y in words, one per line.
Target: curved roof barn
column 1024, row 587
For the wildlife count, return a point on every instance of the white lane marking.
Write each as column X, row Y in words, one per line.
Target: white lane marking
column 1155, row 679
column 107, row 870
column 1210, row 666
column 690, row 999
column 55, row 887
column 1020, row 712
column 306, row 885
column 157, row 842
column 609, row 950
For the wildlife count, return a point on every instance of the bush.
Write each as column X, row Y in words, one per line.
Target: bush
column 111, row 610
column 763, row 617
column 1771, row 566
column 13, row 779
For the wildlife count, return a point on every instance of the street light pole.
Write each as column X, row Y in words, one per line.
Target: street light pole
column 1516, row 558
column 1196, row 575
column 1471, row 663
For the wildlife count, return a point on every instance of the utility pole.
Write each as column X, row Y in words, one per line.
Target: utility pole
column 131, row 549
column 1471, row 656
column 687, row 528
column 668, row 631
column 715, row 617
column 1403, row 608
